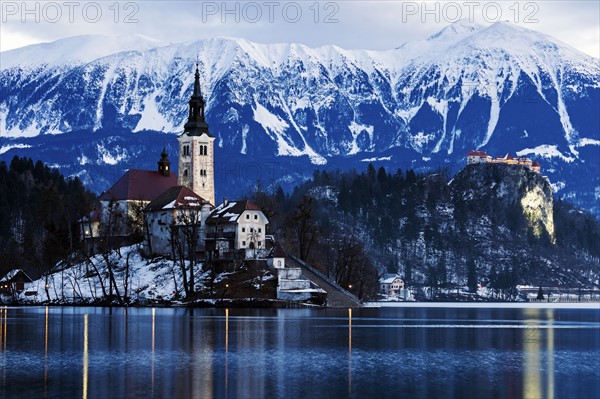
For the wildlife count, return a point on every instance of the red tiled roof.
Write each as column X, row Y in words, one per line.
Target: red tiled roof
column 477, row 153
column 139, row 185
column 535, row 163
column 176, row 197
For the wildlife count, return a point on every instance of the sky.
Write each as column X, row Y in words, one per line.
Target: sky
column 373, row 25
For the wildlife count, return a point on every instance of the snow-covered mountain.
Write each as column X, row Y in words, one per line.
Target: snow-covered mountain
column 500, row 88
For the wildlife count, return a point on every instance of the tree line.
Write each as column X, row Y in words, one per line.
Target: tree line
column 39, row 211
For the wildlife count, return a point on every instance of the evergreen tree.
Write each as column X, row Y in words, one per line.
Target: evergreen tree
column 471, row 275
column 408, row 272
column 540, row 294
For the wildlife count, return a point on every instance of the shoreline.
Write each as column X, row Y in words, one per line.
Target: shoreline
column 266, row 304
column 495, row 305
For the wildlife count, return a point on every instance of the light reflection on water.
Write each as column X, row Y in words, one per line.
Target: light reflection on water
column 143, row 352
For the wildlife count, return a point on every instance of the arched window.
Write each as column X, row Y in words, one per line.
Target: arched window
column 185, row 173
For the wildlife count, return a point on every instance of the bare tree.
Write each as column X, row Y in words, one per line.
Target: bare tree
column 306, row 230
column 97, row 272
column 112, row 227
column 190, row 219
column 185, row 233
column 254, row 240
column 178, row 254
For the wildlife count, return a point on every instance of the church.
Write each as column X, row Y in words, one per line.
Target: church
column 169, row 210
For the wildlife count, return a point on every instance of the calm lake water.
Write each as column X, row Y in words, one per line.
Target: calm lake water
column 63, row 352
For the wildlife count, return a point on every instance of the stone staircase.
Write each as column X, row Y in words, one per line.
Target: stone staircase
column 337, row 297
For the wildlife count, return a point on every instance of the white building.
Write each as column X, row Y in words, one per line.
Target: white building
column 121, row 206
column 276, row 257
column 391, row 284
column 477, row 157
column 474, row 157
column 173, row 217
column 237, row 225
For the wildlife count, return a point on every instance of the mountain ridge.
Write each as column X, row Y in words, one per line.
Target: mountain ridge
column 471, row 87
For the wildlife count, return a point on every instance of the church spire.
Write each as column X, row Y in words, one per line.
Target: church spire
column 196, row 124
column 197, row 91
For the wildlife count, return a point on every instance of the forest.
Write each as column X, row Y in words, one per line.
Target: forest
column 356, row 226
column 39, row 210
column 353, row 226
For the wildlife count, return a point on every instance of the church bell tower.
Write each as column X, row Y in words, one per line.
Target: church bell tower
column 164, row 165
column 196, row 149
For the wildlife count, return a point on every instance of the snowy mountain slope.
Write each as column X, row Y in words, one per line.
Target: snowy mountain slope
column 75, row 50
column 500, row 88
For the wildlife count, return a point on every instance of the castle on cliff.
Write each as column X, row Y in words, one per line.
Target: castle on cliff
column 478, row 157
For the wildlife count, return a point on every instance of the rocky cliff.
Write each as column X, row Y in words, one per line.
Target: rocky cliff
column 508, row 189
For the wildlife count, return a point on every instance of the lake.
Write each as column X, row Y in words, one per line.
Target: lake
column 414, row 352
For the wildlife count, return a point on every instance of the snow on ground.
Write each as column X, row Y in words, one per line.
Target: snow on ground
column 276, row 128
column 104, row 155
column 6, row 148
column 152, row 118
column 546, row 151
column 357, row 129
column 376, row 159
column 148, row 279
column 585, row 141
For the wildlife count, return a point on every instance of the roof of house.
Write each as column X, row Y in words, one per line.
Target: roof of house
column 277, row 252
column 388, row 278
column 477, row 153
column 535, row 163
column 231, row 212
column 176, row 197
column 12, row 276
column 139, row 185
column 506, row 157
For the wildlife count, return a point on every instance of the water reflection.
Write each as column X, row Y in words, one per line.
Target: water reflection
column 85, row 356
column 46, row 353
column 349, row 351
column 550, row 352
column 539, row 363
column 152, row 363
column 204, row 353
column 226, row 349
column 3, row 325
